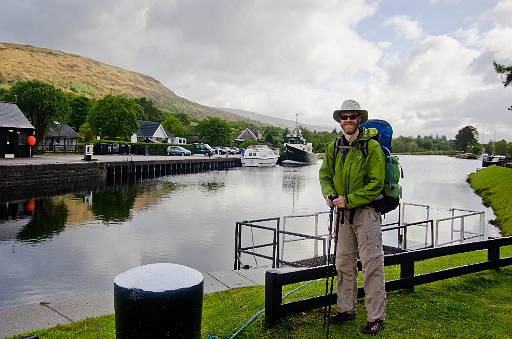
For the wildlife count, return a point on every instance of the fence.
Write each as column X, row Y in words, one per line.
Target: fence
column 60, row 148
column 274, row 280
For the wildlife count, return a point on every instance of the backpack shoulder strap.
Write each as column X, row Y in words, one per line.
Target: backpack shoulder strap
column 364, row 148
column 336, row 150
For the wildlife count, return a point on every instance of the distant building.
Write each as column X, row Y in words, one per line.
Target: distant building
column 248, row 134
column 172, row 139
column 59, row 136
column 151, row 131
column 14, row 131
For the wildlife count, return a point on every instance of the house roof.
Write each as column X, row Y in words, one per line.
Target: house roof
column 12, row 116
column 247, row 134
column 169, row 134
column 61, row 130
column 147, row 129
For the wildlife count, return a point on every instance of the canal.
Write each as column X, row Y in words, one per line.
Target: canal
column 78, row 242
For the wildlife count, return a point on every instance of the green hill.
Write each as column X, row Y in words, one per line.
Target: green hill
column 94, row 79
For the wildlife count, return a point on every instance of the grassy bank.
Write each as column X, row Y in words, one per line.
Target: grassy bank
column 476, row 305
column 494, row 185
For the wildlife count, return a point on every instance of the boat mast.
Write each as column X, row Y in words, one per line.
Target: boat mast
column 297, row 130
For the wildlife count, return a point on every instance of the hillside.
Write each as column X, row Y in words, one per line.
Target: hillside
column 265, row 119
column 92, row 78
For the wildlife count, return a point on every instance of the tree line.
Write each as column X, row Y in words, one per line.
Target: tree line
column 117, row 118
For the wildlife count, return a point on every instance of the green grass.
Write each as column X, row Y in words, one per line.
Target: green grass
column 494, row 185
column 475, row 305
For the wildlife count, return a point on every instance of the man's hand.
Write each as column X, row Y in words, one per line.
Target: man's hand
column 339, row 202
column 328, row 201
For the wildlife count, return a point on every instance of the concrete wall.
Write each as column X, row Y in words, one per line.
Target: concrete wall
column 18, row 181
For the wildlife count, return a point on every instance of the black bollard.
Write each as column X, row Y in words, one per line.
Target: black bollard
column 158, row 301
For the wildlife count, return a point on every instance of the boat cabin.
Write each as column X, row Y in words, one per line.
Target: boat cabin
column 295, row 140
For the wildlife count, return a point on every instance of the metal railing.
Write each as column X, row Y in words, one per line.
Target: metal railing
column 281, row 237
column 317, row 235
column 276, row 234
column 461, row 230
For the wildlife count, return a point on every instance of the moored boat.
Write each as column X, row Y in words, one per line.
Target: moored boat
column 488, row 160
column 259, row 156
column 466, row 156
column 297, row 152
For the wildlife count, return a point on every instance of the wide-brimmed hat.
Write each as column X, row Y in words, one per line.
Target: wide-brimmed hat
column 350, row 106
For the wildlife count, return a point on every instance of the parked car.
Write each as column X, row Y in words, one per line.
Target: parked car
column 178, row 150
column 228, row 150
column 219, row 150
column 200, row 148
column 234, row 150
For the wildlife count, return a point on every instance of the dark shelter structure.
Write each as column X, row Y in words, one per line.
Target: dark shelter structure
column 14, row 132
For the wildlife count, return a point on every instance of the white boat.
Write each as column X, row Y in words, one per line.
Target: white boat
column 259, row 156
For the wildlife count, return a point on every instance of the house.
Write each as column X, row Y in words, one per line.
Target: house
column 171, row 139
column 60, row 136
column 248, row 134
column 14, row 131
column 151, row 131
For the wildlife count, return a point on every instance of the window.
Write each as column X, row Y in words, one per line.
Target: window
column 22, row 139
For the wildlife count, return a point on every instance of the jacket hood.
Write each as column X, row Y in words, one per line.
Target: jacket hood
column 368, row 133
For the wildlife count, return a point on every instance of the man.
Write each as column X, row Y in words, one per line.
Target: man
column 357, row 179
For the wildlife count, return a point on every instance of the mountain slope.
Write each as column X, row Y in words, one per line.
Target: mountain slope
column 94, row 79
column 275, row 121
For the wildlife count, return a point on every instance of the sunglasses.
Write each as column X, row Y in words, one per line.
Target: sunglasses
column 349, row 116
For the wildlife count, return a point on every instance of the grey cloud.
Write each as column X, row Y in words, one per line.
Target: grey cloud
column 272, row 57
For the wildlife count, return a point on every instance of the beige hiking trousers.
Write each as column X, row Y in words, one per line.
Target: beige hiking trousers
column 363, row 237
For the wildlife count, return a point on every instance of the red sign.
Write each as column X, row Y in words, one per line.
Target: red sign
column 31, row 140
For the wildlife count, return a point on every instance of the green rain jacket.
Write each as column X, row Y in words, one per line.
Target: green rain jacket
column 358, row 179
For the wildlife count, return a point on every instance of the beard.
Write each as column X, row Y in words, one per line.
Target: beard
column 349, row 127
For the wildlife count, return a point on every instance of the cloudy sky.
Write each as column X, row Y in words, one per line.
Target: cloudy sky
column 425, row 65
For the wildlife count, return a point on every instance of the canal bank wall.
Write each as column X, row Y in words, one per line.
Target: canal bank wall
column 28, row 179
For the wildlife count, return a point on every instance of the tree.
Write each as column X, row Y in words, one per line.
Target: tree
column 41, row 103
column 151, row 112
column 467, row 136
column 215, row 131
column 175, row 126
column 86, row 132
column 184, row 118
column 273, row 135
column 4, row 94
column 506, row 70
column 114, row 116
column 501, row 147
column 79, row 107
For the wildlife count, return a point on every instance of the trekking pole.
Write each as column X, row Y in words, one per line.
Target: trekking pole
column 340, row 219
column 331, row 213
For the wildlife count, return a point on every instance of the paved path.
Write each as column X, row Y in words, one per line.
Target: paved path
column 65, row 310
column 73, row 158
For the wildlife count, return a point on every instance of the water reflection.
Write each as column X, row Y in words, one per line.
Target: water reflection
column 48, row 220
column 36, row 220
column 114, row 204
column 294, row 181
column 169, row 186
column 212, row 186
